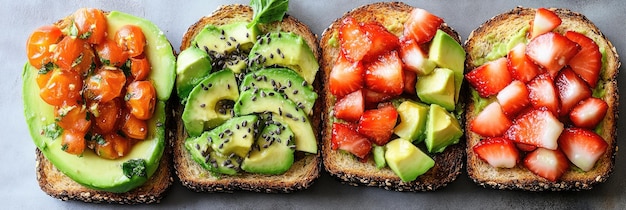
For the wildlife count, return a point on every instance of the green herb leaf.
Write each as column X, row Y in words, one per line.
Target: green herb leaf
column 86, row 35
column 134, row 168
column 126, row 68
column 78, row 60
column 46, row 68
column 64, row 147
column 267, row 11
column 98, row 138
column 52, row 131
column 73, row 29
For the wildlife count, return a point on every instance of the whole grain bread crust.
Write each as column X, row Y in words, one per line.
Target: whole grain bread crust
column 304, row 170
column 345, row 166
column 497, row 30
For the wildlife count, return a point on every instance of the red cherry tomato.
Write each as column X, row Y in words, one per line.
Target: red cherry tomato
column 140, row 67
column 73, row 118
column 67, row 52
column 131, row 39
column 105, row 84
column 38, row 45
column 111, row 54
column 113, row 146
column 63, row 88
column 107, row 116
column 134, row 128
column 73, row 142
column 141, row 98
column 91, row 25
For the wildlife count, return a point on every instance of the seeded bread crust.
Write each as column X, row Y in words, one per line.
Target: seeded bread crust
column 304, row 170
column 345, row 166
column 496, row 30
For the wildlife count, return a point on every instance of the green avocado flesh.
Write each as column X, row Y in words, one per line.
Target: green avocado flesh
column 448, row 53
column 437, row 88
column 406, row 160
column 413, row 117
column 192, row 66
column 442, row 129
column 273, row 153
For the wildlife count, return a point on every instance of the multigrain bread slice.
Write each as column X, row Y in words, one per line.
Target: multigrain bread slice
column 305, row 168
column 345, row 166
column 497, row 30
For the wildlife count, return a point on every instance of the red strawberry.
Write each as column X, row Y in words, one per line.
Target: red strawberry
column 421, row 25
column 345, row 77
column 572, row 89
column 519, row 65
column 353, row 39
column 382, row 41
column 410, row 78
column 347, row 139
column 350, row 107
column 498, row 152
column 513, row 98
column 545, row 21
column 372, row 98
column 588, row 62
column 525, row 147
column 542, row 93
column 588, row 113
column 385, row 74
column 583, row 147
column 378, row 124
column 537, row 127
column 415, row 59
column 552, row 51
column 546, row 163
column 491, row 121
column 489, row 78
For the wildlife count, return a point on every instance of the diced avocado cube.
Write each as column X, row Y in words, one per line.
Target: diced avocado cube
column 448, row 53
column 379, row 156
column 192, row 66
column 437, row 88
column 406, row 160
column 413, row 117
column 273, row 151
column 442, row 129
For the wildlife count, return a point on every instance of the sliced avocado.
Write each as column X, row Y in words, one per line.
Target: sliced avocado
column 284, row 81
column 406, row 160
column 225, row 39
column 284, row 49
column 201, row 152
column 437, row 88
column 379, row 156
column 192, row 66
column 442, row 129
column 209, row 102
column 234, row 136
column 412, row 121
column 273, row 151
column 448, row 53
column 262, row 101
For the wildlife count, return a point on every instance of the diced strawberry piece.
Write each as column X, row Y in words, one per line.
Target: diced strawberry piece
column 552, row 51
column 382, row 41
column 544, row 21
column 345, row 77
column 489, row 78
column 525, row 147
column 588, row 62
column 414, row 58
column 410, row 78
column 347, row 139
column 546, row 163
column 372, row 98
column 378, row 124
column 353, row 39
column 582, row 147
column 588, row 113
column 385, row 74
column 537, row 127
column 520, row 66
column 572, row 89
column 498, row 152
column 542, row 93
column 421, row 25
column 350, row 107
column 491, row 121
column 513, row 98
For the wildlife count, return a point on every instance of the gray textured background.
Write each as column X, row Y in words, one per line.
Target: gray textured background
column 19, row 189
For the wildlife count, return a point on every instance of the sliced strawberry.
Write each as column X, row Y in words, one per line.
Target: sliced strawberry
column 520, row 66
column 353, row 39
column 498, row 152
column 350, row 107
column 489, row 78
column 544, row 21
column 491, row 121
column 410, row 78
column 347, row 139
column 542, row 93
column 415, row 59
column 513, row 98
column 385, row 74
column 382, row 41
column 372, row 98
column 583, row 147
column 345, row 77
column 588, row 113
column 546, row 163
column 572, row 89
column 588, row 62
column 552, row 51
column 421, row 25
column 378, row 124
column 537, row 127
column 525, row 147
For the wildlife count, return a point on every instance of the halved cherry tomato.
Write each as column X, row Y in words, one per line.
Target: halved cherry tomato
column 42, row 78
column 131, row 39
column 134, row 128
column 106, row 115
column 73, row 142
column 67, row 52
column 39, row 43
column 85, row 61
column 140, row 67
column 140, row 99
column 91, row 24
column 113, row 146
column 73, row 118
column 105, row 85
column 111, row 54
column 63, row 88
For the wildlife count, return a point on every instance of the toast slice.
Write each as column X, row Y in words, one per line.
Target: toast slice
column 305, row 168
column 345, row 166
column 497, row 30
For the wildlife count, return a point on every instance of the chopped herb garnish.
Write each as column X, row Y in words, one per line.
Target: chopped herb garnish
column 86, row 35
column 128, row 96
column 134, row 168
column 78, row 60
column 105, row 62
column 99, row 139
column 46, row 68
column 73, row 29
column 64, row 147
column 52, row 131
column 126, row 68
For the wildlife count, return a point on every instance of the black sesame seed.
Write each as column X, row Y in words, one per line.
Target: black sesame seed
column 229, row 44
column 253, row 98
column 209, row 85
column 289, row 115
column 295, row 92
column 273, row 82
column 244, row 124
column 232, row 155
column 205, row 88
column 282, row 56
column 206, row 49
column 207, row 159
column 279, row 35
column 303, row 119
column 261, row 41
column 280, row 111
column 278, row 51
column 233, row 39
column 210, row 139
column 202, row 105
column 263, row 94
column 269, row 39
column 271, row 94
column 198, row 146
column 247, row 35
column 222, row 31
column 221, row 146
column 304, row 83
column 244, row 136
column 222, row 37
column 271, row 56
column 221, row 135
column 232, row 113
column 288, row 83
column 228, row 86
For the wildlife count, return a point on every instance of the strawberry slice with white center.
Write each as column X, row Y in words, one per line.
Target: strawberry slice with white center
column 350, row 107
column 410, row 78
column 588, row 62
column 346, row 76
column 551, row 51
column 353, row 39
column 582, row 147
column 373, row 98
column 588, row 113
column 421, row 25
column 347, row 139
column 415, row 59
column 544, row 21
column 513, row 98
column 520, row 66
column 491, row 121
column 542, row 93
column 537, row 127
column 385, row 74
column 498, row 152
column 378, row 124
column 546, row 163
column 489, row 78
column 572, row 89
column 382, row 41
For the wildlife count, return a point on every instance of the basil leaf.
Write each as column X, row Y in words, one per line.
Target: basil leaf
column 267, row 11
column 134, row 168
column 52, row 131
